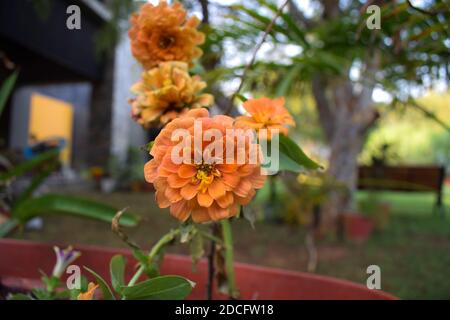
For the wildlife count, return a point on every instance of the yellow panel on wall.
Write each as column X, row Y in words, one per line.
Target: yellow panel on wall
column 51, row 118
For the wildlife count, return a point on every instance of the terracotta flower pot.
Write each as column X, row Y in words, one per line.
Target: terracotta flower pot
column 357, row 227
column 20, row 262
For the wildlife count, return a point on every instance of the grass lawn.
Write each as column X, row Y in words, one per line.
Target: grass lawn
column 413, row 253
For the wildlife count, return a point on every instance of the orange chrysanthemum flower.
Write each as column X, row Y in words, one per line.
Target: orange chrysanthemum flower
column 89, row 294
column 267, row 114
column 209, row 189
column 164, row 33
column 165, row 92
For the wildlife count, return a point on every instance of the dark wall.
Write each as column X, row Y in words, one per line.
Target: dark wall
column 48, row 38
column 47, row 53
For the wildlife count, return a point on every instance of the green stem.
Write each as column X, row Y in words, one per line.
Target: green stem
column 156, row 248
column 228, row 246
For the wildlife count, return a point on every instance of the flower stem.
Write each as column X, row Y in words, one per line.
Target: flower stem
column 228, row 246
column 155, row 249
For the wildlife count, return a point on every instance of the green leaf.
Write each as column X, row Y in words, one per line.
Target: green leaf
column 54, row 204
column 117, row 269
column 6, row 89
column 36, row 182
column 295, row 153
column 29, row 164
column 287, row 164
column 19, row 296
column 265, row 21
column 160, row 288
column 8, row 226
column 291, row 26
column 241, row 97
column 41, row 294
column 106, row 290
column 285, row 84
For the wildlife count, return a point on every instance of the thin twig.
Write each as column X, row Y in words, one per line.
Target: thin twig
column 412, row 102
column 115, row 227
column 423, row 11
column 252, row 60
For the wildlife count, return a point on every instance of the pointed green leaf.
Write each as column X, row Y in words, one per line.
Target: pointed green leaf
column 106, row 290
column 283, row 88
column 29, row 164
column 117, row 269
column 295, row 153
column 160, row 288
column 54, row 204
column 6, row 89
column 19, row 296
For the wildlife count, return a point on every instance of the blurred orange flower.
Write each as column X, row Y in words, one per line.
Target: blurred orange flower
column 209, row 189
column 165, row 92
column 164, row 33
column 89, row 294
column 267, row 114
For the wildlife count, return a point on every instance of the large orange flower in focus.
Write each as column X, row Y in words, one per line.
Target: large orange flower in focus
column 164, row 33
column 265, row 113
column 208, row 190
column 165, row 92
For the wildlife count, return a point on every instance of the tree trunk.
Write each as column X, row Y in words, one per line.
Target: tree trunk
column 343, row 168
column 345, row 118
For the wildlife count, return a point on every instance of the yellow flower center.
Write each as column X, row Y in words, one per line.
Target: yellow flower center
column 205, row 174
column 261, row 118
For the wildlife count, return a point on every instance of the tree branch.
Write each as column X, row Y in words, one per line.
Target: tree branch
column 205, row 11
column 423, row 11
column 258, row 46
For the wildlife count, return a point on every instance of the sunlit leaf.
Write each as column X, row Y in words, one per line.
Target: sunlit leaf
column 160, row 288
column 117, row 270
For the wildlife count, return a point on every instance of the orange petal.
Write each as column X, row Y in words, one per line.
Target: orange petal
column 257, row 179
column 150, row 171
column 197, row 113
column 186, row 171
column 226, row 201
column 161, row 199
column 189, row 191
column 246, row 200
column 243, row 189
column 200, row 215
column 173, row 194
column 226, row 167
column 175, row 181
column 252, row 105
column 217, row 213
column 216, row 189
column 204, row 199
column 246, row 169
column 180, row 210
column 230, row 180
column 168, row 165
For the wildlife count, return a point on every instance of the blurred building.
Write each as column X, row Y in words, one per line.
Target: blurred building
column 65, row 88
